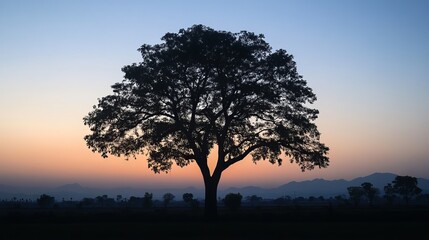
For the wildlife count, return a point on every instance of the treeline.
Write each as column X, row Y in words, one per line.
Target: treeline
column 403, row 190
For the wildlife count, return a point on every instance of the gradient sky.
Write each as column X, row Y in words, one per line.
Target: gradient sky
column 367, row 61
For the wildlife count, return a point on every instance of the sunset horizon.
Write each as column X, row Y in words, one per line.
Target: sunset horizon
column 367, row 63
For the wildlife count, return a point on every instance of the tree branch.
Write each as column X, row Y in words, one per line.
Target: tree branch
column 243, row 155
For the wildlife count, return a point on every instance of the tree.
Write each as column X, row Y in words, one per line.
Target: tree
column 253, row 199
column 203, row 88
column 233, row 201
column 406, row 186
column 189, row 198
column 147, row 200
column 168, row 197
column 136, row 202
column 45, row 201
column 369, row 192
column 355, row 194
column 389, row 193
column 87, row 202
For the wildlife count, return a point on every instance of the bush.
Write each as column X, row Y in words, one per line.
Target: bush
column 147, row 200
column 233, row 201
column 168, row 197
column 46, row 201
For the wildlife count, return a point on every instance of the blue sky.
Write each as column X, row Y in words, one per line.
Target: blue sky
column 367, row 61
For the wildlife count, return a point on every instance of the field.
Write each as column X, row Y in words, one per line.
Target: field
column 246, row 223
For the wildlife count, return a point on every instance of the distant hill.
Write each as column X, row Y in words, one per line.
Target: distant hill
column 316, row 187
column 321, row 187
column 328, row 188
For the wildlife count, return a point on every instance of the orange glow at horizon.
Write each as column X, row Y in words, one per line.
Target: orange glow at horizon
column 58, row 154
column 61, row 155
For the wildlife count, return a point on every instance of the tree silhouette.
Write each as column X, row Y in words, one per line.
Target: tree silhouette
column 389, row 193
column 233, row 201
column 188, row 197
column 201, row 88
column 355, row 194
column 45, row 201
column 147, row 200
column 369, row 191
column 253, row 199
column 406, row 186
column 168, row 197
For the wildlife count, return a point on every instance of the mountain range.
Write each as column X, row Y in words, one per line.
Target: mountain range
column 315, row 187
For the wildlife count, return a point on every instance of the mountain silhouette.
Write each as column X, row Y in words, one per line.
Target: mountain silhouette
column 316, row 187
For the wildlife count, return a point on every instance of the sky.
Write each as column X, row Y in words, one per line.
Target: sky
column 367, row 61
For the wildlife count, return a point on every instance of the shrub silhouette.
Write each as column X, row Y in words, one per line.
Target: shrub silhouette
column 189, row 198
column 147, row 200
column 233, row 201
column 46, row 201
column 168, row 197
column 406, row 186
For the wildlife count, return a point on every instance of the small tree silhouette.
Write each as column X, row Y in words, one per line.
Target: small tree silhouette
column 189, row 198
column 253, row 199
column 389, row 193
column 369, row 192
column 233, row 201
column 168, row 197
column 406, row 186
column 147, row 200
column 355, row 194
column 46, row 201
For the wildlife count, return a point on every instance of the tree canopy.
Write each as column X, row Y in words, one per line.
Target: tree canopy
column 406, row 186
column 200, row 88
column 369, row 191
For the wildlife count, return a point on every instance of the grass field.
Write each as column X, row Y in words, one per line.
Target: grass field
column 273, row 223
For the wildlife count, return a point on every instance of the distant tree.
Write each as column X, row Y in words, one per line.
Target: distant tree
column 253, row 199
column 119, row 198
column 168, row 197
column 389, row 193
column 87, row 201
column 100, row 199
column 280, row 201
column 369, row 192
column 201, row 88
column 147, row 200
column 46, row 201
column 135, row 202
column 104, row 201
column 341, row 199
column 298, row 200
column 406, row 186
column 233, row 201
column 188, row 197
column 356, row 194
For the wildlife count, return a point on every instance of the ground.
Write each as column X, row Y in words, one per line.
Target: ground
column 246, row 223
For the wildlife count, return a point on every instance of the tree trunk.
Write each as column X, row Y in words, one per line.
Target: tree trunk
column 210, row 210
